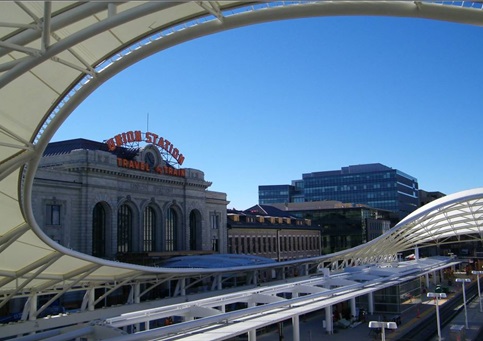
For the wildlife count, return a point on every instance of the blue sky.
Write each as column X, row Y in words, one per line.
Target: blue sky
column 264, row 104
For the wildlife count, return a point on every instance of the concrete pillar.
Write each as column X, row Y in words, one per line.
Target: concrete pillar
column 182, row 283
column 137, row 293
column 91, row 299
column 353, row 306
column 329, row 327
column 435, row 281
column 252, row 334
column 137, row 299
column 296, row 322
column 296, row 327
column 219, row 282
column 371, row 303
column 416, row 253
column 427, row 281
column 33, row 307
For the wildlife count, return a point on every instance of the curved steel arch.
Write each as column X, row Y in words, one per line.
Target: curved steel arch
column 437, row 223
column 54, row 54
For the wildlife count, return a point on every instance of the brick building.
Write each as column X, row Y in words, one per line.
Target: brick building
column 269, row 232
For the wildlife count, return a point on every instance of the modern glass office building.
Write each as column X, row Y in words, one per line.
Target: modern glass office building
column 375, row 185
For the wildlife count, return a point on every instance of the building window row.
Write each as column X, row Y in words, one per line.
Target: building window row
column 270, row 245
column 155, row 235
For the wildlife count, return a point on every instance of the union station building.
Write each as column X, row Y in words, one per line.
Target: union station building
column 127, row 199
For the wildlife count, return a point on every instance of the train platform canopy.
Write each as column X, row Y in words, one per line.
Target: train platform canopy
column 215, row 261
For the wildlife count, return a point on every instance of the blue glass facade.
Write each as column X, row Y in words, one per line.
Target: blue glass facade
column 374, row 185
column 275, row 194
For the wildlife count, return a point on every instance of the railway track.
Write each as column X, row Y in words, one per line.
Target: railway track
column 426, row 327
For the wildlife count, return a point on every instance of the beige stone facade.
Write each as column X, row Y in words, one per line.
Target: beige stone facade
column 83, row 199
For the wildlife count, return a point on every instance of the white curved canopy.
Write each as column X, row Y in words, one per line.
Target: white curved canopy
column 54, row 54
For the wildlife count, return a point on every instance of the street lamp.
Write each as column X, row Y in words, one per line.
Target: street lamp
column 463, row 281
column 383, row 326
column 478, row 273
column 437, row 296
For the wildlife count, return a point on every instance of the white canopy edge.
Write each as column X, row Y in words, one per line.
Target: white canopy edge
column 55, row 54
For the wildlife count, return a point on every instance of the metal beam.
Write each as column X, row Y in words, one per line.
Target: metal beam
column 66, row 288
column 45, row 39
column 213, row 8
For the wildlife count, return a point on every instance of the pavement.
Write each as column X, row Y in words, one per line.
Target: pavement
column 312, row 327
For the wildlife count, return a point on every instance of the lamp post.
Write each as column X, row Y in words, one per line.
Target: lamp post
column 437, row 296
column 478, row 273
column 463, row 281
column 383, row 326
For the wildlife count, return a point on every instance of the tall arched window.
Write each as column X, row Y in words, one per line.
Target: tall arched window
column 195, row 230
column 149, row 227
column 171, row 230
column 99, row 231
column 124, row 229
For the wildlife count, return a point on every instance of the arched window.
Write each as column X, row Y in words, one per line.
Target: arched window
column 171, row 230
column 124, row 229
column 149, row 228
column 195, row 230
column 99, row 231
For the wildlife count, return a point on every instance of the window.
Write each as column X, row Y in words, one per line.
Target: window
column 214, row 244
column 99, row 231
column 171, row 230
column 215, row 220
column 124, row 229
column 195, row 230
column 53, row 214
column 149, row 229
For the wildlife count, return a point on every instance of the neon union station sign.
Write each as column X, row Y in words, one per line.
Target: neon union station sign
column 150, row 158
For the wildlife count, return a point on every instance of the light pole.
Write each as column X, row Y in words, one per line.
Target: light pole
column 478, row 273
column 383, row 326
column 437, row 296
column 463, row 281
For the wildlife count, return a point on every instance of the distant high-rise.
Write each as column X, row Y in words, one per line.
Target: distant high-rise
column 374, row 185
